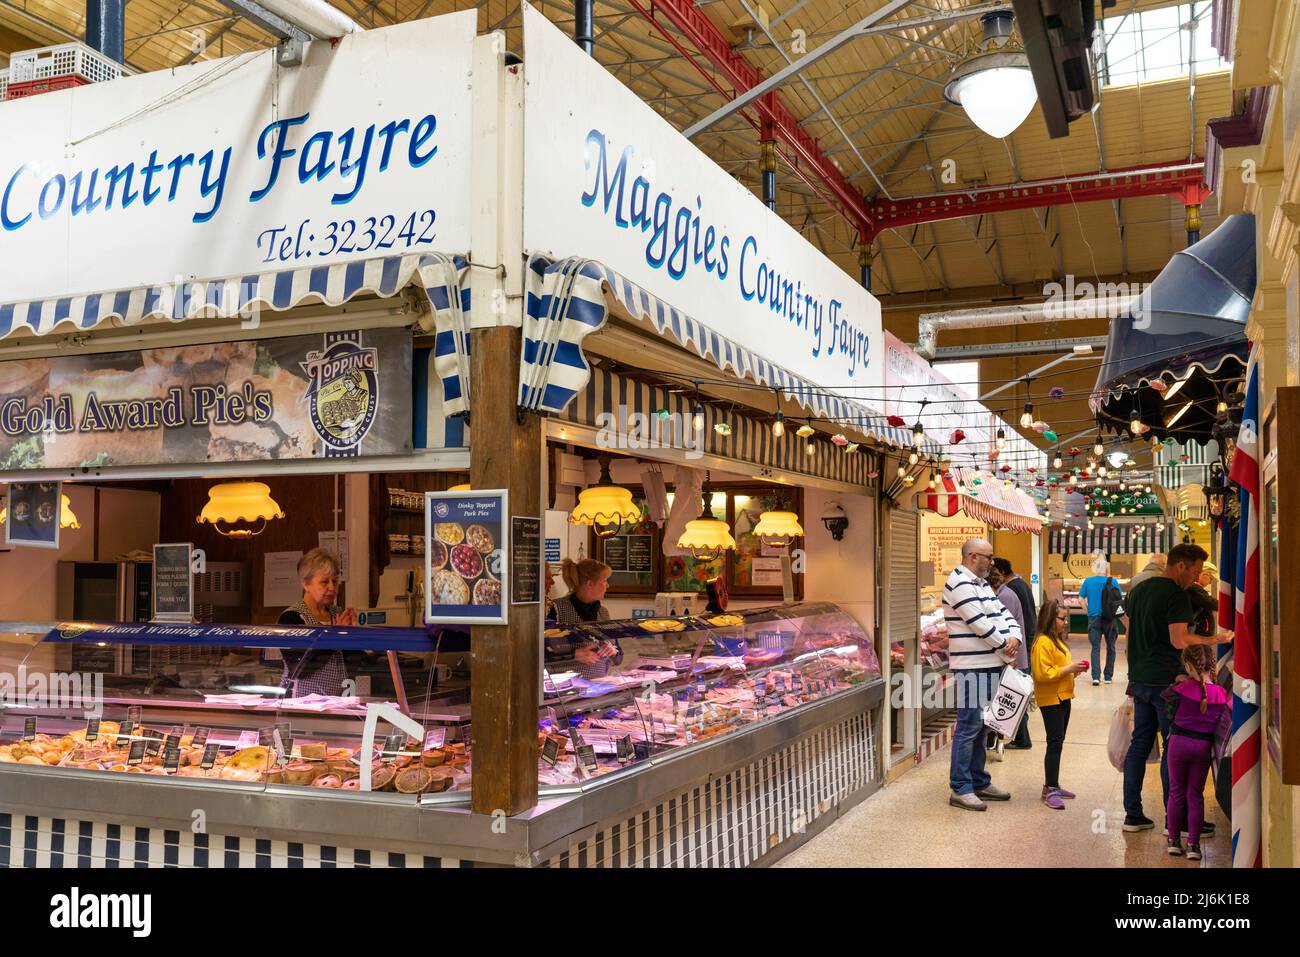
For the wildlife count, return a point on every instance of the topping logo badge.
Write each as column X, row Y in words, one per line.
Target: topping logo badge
column 343, row 393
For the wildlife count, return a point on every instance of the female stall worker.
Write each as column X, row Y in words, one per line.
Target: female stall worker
column 316, row 672
column 587, row 580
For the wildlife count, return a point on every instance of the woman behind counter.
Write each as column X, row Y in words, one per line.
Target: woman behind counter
column 587, row 580
column 316, row 672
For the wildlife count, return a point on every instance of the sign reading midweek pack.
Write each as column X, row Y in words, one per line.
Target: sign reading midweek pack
column 235, row 167
column 607, row 178
column 324, row 395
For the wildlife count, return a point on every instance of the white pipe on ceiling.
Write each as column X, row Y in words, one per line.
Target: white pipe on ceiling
column 930, row 324
column 317, row 17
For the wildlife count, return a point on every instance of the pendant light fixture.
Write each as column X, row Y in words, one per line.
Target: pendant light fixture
column 1098, row 448
column 778, row 529
column 1027, row 416
column 234, row 507
column 604, row 506
column 706, row 537
column 1056, row 462
column 778, row 424
column 994, row 85
column 1001, row 439
column 918, row 430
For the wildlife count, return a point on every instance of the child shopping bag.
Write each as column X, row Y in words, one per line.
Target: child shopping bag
column 1010, row 702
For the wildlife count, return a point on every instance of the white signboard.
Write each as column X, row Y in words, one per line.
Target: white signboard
column 237, row 166
column 607, row 178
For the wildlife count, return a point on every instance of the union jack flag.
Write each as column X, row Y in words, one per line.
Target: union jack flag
column 1246, row 735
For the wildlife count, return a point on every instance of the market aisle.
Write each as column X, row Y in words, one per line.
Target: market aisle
column 910, row 823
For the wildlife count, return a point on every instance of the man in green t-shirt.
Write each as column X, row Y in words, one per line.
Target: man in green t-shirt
column 1160, row 616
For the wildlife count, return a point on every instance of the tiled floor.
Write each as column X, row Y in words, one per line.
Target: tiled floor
column 909, row 823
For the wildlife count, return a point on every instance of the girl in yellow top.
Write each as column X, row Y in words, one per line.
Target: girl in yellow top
column 1053, row 689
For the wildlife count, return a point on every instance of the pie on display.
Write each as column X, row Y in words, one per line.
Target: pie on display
column 437, row 554
column 487, row 591
column 466, row 561
column 725, row 621
column 449, row 533
column 656, row 625
column 480, row 538
column 449, row 589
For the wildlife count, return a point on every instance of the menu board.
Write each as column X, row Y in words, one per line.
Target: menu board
column 615, row 551
column 173, row 583
column 525, row 560
column 466, row 557
column 34, row 514
column 640, row 553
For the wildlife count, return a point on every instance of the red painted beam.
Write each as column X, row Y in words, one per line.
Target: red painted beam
column 1086, row 188
column 742, row 76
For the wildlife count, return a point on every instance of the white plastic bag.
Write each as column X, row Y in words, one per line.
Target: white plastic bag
column 1121, row 733
column 1010, row 701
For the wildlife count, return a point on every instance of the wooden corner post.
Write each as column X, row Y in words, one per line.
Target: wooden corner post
column 505, row 451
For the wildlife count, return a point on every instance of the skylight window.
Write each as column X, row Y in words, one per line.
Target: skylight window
column 1156, row 45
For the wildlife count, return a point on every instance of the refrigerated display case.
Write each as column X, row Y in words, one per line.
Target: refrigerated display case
column 206, row 725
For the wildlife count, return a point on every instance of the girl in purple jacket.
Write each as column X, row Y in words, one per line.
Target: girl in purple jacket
column 1202, row 717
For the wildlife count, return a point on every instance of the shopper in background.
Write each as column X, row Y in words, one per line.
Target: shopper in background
column 1028, row 628
column 1103, row 596
column 1155, row 567
column 993, row 741
column 1054, row 676
column 1201, row 721
column 1204, row 594
column 1160, row 615
column 980, row 634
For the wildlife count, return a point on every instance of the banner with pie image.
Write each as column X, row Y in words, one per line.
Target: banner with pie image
column 466, row 557
column 324, row 395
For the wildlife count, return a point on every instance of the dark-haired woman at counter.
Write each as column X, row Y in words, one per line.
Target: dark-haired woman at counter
column 587, row 580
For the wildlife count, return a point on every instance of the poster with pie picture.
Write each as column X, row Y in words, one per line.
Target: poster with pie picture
column 466, row 557
column 32, row 514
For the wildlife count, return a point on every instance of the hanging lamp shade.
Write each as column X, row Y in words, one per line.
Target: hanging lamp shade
column 995, row 86
column 234, row 507
column 706, row 537
column 778, row 529
column 605, row 506
column 463, row 487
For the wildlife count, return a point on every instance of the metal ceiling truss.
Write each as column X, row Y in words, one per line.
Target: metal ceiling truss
column 1183, row 180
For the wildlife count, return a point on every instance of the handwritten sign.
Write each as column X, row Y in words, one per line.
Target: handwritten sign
column 173, row 583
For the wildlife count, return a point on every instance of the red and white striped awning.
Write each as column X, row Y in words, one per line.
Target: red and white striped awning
column 1009, row 510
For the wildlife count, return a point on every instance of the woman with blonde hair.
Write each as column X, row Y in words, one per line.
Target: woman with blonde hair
column 316, row 672
column 587, row 580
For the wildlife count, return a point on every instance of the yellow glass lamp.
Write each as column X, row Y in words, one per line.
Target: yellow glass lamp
column 231, row 503
column 463, row 487
column 67, row 517
column 778, row 529
column 605, row 506
column 706, row 537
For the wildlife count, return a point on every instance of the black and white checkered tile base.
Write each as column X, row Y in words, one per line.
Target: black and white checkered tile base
column 735, row 820
column 29, row 841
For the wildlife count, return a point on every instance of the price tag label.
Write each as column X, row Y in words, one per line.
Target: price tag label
column 135, row 714
column 624, row 749
column 92, row 730
column 392, row 745
column 692, row 712
column 137, row 753
column 286, row 736
column 247, row 739
column 173, row 741
column 266, row 737
column 154, row 742
column 587, row 758
column 171, row 760
column 200, row 736
column 283, row 746
column 209, row 757
column 435, row 738
column 551, row 751
column 29, row 729
column 575, row 738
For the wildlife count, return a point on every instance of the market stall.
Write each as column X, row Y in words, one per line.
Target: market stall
column 344, row 387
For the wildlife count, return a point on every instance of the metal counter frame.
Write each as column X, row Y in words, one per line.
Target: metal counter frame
column 746, row 798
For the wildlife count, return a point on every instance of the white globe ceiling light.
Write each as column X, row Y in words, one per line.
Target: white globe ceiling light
column 994, row 86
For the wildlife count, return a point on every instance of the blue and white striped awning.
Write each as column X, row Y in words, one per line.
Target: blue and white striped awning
column 245, row 296
column 566, row 303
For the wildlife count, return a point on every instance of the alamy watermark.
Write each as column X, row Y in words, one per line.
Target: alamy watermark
column 1102, row 300
column 55, row 690
column 635, row 431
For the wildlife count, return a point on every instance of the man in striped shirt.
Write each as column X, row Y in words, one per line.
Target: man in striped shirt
column 982, row 637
